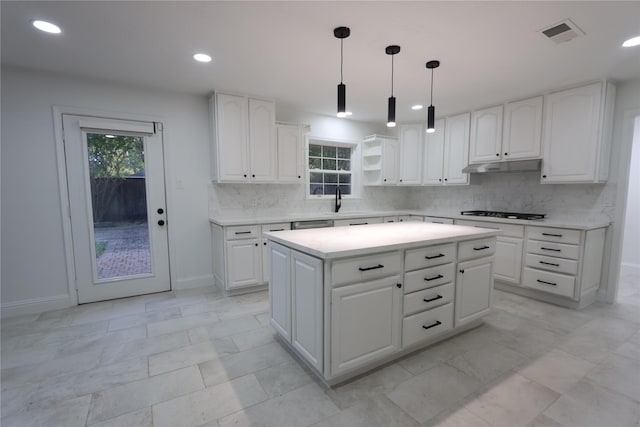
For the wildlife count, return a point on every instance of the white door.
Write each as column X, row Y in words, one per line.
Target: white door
column 486, row 135
column 115, row 177
column 262, row 140
column 410, row 171
column 365, row 323
column 522, row 133
column 433, row 161
column 456, row 149
column 244, row 265
column 508, row 259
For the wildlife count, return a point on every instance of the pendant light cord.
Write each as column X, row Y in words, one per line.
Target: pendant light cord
column 392, row 75
column 432, row 86
column 341, row 58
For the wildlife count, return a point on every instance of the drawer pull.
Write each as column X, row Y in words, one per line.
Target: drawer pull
column 371, row 268
column 550, row 249
column 484, row 226
column 433, row 325
column 277, row 229
column 552, row 235
column 359, row 223
column 428, row 279
column 549, row 263
column 243, row 232
column 434, row 257
column 481, row 249
column 432, row 299
column 546, row 283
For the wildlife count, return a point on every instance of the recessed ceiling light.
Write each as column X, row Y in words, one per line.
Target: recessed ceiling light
column 634, row 41
column 47, row 27
column 417, row 107
column 202, row 57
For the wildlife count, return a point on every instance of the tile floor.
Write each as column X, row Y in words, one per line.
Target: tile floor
column 194, row 358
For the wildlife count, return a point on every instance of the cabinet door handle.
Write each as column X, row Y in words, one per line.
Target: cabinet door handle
column 398, row 285
column 552, row 235
column 434, row 257
column 546, row 283
column 256, row 244
column 428, row 279
column 432, row 325
column 481, row 249
column 432, row 299
column 243, row 232
column 550, row 249
column 277, row 229
column 264, row 243
column 371, row 268
column 462, row 271
column 359, row 223
column 484, row 226
column 549, row 263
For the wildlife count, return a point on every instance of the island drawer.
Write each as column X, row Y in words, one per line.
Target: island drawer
column 428, row 277
column 428, row 324
column 549, row 282
column 365, row 268
column 558, row 235
column 559, row 265
column 428, row 299
column 553, row 249
column 476, row 249
column 241, row 232
column 429, row 256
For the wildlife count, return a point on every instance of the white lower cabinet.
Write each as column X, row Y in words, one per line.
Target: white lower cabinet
column 474, row 283
column 280, row 290
column 365, row 323
column 508, row 259
column 244, row 263
column 428, row 324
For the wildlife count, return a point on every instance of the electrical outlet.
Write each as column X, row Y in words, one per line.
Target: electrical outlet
column 254, row 202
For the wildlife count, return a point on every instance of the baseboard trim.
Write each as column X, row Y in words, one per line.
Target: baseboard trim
column 628, row 268
column 194, row 282
column 35, row 305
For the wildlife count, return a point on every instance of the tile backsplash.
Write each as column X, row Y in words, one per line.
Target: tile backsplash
column 519, row 192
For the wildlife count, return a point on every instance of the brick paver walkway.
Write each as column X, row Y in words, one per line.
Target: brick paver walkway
column 127, row 252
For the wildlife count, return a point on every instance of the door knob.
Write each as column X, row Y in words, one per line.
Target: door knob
column 160, row 211
column 161, row 223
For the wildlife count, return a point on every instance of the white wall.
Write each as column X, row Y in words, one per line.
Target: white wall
column 631, row 246
column 242, row 200
column 33, row 263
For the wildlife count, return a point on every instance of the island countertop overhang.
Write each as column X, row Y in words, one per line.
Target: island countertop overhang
column 340, row 242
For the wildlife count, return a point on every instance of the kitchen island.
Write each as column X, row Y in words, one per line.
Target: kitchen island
column 347, row 299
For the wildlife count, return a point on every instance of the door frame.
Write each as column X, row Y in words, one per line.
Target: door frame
column 65, row 210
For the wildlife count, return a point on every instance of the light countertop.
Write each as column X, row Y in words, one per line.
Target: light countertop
column 552, row 221
column 339, row 242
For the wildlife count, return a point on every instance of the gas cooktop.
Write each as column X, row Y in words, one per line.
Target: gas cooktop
column 510, row 215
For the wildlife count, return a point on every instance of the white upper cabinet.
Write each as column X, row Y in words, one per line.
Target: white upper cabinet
column 522, row 130
column 410, row 165
column 380, row 160
column 433, row 159
column 577, row 134
column 243, row 133
column 486, row 135
column 456, row 149
column 390, row 149
column 290, row 152
column 262, row 140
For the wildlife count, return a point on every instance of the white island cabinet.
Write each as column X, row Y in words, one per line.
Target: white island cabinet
column 347, row 299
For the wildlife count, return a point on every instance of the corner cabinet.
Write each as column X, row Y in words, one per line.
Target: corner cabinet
column 577, row 134
column 243, row 139
column 380, row 160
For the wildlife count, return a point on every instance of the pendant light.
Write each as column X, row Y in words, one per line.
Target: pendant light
column 391, row 112
column 431, row 111
column 342, row 33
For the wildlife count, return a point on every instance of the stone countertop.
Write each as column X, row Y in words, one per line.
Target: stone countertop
column 340, row 242
column 551, row 221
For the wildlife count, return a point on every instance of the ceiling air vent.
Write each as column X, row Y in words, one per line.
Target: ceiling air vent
column 562, row 31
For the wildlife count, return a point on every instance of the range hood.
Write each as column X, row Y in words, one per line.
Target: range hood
column 510, row 166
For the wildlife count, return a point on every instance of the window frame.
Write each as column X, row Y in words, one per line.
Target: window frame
column 355, row 165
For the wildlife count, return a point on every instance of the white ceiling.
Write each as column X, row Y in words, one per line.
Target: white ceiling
column 489, row 51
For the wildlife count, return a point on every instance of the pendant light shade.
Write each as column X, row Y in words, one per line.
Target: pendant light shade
column 431, row 111
column 342, row 33
column 391, row 110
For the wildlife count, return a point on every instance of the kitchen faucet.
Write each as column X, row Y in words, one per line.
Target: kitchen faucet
column 338, row 199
